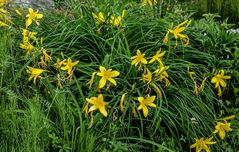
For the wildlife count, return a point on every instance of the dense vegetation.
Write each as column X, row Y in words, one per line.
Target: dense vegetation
column 117, row 76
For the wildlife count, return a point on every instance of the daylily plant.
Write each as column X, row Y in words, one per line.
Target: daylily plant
column 202, row 144
column 158, row 57
column 221, row 128
column 138, row 59
column 107, row 75
column 219, row 80
column 177, row 33
column 33, row 16
column 98, row 103
column 144, row 102
column 69, row 65
column 34, row 73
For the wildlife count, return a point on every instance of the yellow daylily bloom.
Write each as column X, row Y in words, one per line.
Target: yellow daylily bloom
column 59, row 63
column 98, row 103
column 150, row 2
column 144, row 102
column 107, row 75
column 33, row 16
column 100, row 18
column 161, row 74
column 34, row 73
column 2, row 24
column 27, row 46
column 177, row 33
column 147, row 77
column 138, row 59
column 45, row 58
column 221, row 128
column 158, row 57
column 161, row 70
column 202, row 144
column 219, row 80
column 27, row 35
column 3, row 13
column 3, row 2
column 69, row 65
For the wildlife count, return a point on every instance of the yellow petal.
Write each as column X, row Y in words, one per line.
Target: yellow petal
column 28, row 22
column 152, row 105
column 92, row 108
column 222, row 134
column 145, row 111
column 114, row 73
column 102, row 82
column 112, row 81
column 103, row 111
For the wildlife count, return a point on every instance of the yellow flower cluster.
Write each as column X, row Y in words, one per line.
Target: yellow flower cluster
column 4, row 18
column 221, row 128
column 33, row 47
column 102, row 19
column 160, row 73
column 219, row 79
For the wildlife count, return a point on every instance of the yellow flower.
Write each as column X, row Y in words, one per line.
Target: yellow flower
column 203, row 144
column 3, row 13
column 144, row 102
column 158, row 56
column 161, row 74
column 219, row 80
column 147, row 77
column 33, row 16
column 150, row 2
column 98, row 103
column 3, row 2
column 2, row 24
column 45, row 58
column 117, row 21
column 222, row 128
column 34, row 73
column 107, row 75
column 177, row 33
column 59, row 63
column 201, row 88
column 27, row 35
column 69, row 65
column 99, row 19
column 138, row 59
column 27, row 47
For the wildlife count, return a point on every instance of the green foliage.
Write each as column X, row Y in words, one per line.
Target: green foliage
column 46, row 117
